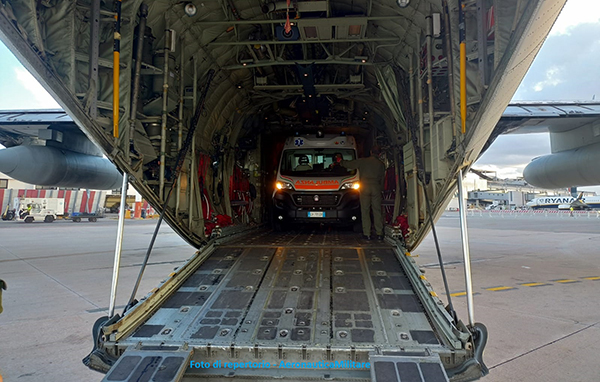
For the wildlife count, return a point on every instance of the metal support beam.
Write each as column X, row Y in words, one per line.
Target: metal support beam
column 332, row 21
column 136, row 79
column 180, row 122
column 271, row 55
column 94, row 53
column 463, row 66
column 482, row 43
column 420, row 100
column 411, row 78
column 260, row 64
column 317, row 86
column 465, row 246
column 290, row 42
column 429, row 38
column 116, row 76
column 118, row 248
column 450, row 59
column 163, row 128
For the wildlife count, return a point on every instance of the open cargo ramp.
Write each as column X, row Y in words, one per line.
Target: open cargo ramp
column 300, row 305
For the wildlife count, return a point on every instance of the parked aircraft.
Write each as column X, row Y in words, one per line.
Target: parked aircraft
column 565, row 202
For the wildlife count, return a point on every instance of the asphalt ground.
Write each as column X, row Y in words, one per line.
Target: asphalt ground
column 535, row 280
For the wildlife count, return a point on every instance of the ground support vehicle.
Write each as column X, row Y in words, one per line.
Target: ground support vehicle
column 35, row 212
column 91, row 217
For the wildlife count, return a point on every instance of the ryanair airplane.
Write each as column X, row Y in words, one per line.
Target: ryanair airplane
column 565, row 202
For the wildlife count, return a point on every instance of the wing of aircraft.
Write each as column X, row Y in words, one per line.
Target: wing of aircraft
column 574, row 129
column 46, row 148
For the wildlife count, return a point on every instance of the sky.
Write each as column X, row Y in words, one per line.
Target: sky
column 565, row 69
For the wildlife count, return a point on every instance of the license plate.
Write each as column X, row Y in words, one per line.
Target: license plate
column 316, row 214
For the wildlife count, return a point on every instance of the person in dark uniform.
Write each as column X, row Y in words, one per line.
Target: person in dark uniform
column 372, row 173
column 335, row 165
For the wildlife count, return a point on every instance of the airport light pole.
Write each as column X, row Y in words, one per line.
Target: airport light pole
column 465, row 246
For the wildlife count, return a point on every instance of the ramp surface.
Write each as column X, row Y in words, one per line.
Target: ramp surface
column 304, row 288
column 387, row 368
column 156, row 364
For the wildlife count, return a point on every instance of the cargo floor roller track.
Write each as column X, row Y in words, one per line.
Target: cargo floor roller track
column 315, row 296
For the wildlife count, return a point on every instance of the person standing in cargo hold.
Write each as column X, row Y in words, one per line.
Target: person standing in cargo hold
column 372, row 172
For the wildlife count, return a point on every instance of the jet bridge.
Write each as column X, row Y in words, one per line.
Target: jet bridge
column 310, row 304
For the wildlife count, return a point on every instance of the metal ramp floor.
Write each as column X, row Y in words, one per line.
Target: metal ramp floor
column 311, row 295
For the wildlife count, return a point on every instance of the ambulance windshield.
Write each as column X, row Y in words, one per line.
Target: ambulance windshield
column 316, row 162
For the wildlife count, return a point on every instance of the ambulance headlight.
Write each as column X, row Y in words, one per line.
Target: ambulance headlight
column 350, row 186
column 284, row 186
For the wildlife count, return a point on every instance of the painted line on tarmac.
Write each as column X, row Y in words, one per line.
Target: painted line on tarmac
column 533, row 284
column 566, row 281
column 462, row 294
column 500, row 288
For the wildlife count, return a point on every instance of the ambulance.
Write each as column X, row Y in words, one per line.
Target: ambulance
column 312, row 186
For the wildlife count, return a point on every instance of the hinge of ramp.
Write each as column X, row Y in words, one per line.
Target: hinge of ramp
column 157, row 364
column 403, row 368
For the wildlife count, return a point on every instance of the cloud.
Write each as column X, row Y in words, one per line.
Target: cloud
column 509, row 154
column 41, row 98
column 502, row 172
column 552, row 79
column 565, row 67
column 564, row 70
column 574, row 13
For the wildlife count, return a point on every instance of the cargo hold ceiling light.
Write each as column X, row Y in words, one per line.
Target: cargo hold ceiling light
column 247, row 61
column 190, row 9
column 403, row 3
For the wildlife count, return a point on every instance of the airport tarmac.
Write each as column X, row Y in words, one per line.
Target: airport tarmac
column 535, row 281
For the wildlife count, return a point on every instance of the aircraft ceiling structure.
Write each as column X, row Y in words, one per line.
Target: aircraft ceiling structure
column 359, row 66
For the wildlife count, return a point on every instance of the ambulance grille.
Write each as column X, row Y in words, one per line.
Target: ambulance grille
column 322, row 200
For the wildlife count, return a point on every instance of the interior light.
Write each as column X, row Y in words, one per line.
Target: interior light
column 190, row 9
column 246, row 61
column 403, row 3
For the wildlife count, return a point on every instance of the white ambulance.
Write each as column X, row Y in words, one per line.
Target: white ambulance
column 311, row 184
